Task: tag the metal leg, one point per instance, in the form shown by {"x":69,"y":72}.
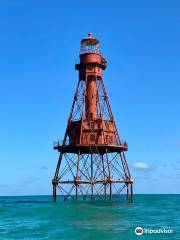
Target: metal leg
{"x":127,"y":192}
{"x":76,"y":191}
{"x":109,"y":173}
{"x":105,"y":191}
{"x":110,"y":191}
{"x":92,"y":193}
{"x":77,"y":176}
{"x":54,"y":192}
{"x":131,"y":193}
{"x":104,"y":176}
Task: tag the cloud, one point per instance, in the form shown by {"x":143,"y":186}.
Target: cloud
{"x":142,"y":166}
{"x":44,"y":167}
{"x":146,"y":177}
{"x":168,"y":164}
{"x":172,"y":165}
{"x":31,"y":180}
{"x":170,"y":176}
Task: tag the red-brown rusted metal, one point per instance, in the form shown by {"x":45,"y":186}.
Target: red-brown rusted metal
{"x":92,"y":160}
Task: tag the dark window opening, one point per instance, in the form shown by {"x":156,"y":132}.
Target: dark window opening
{"x":92,"y":137}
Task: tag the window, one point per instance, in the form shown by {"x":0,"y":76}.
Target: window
{"x":107,"y":125}
{"x":109,"y":139}
{"x":92,"y":125}
{"x":92,"y":137}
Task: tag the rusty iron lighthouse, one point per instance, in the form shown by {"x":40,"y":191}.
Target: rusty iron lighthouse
{"x":91,"y":163}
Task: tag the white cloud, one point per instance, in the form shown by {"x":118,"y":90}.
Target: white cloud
{"x":141,"y":165}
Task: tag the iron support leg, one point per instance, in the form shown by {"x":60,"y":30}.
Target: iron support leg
{"x":54,"y":193}
{"x":92,"y":193}
{"x":105,"y":191}
{"x":104,"y":176}
{"x":110,"y":186}
{"x":127,"y":192}
{"x":77,"y":175}
{"x":109,"y":173}
{"x":131,"y":193}
{"x":76,"y":191}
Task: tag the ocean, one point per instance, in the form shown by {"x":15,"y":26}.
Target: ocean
{"x":36,"y":217}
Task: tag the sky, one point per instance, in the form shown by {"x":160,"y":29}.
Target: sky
{"x":39,"y":45}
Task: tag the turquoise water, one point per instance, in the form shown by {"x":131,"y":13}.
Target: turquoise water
{"x":37,"y":217}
